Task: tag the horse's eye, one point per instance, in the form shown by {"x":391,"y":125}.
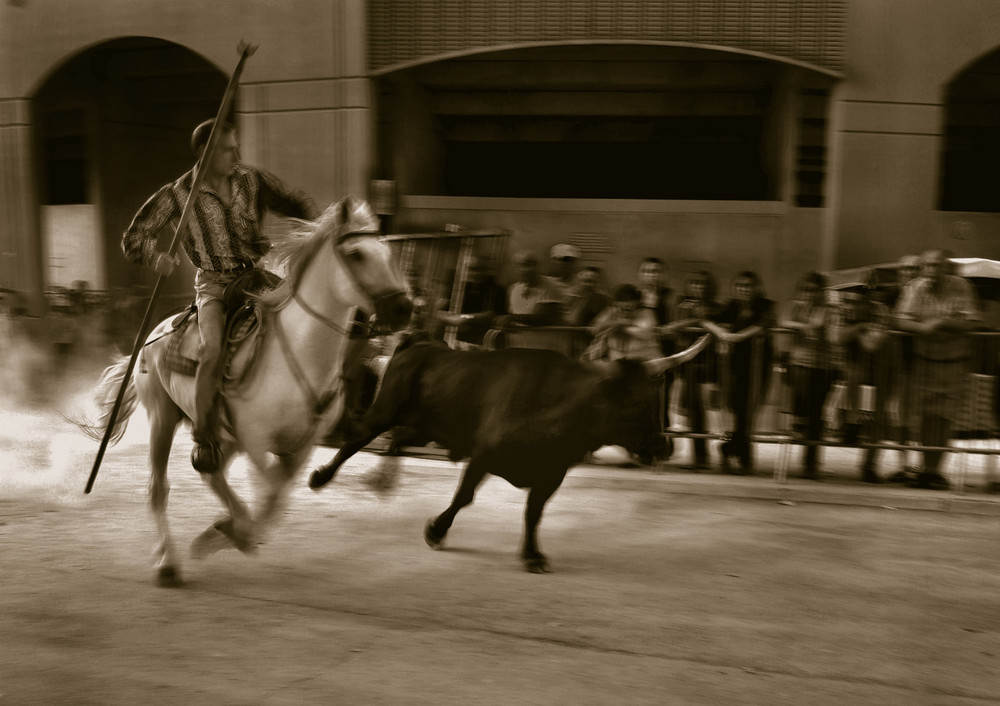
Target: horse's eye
{"x":355,"y":255}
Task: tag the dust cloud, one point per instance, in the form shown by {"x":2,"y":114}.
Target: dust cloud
{"x":43,"y":391}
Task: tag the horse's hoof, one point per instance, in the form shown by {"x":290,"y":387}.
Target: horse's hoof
{"x":238,"y":540}
{"x":206,"y":458}
{"x":537,"y":565}
{"x":168,"y":577}
{"x":431,"y":537}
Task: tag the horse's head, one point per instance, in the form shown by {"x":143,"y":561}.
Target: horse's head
{"x":370,"y":264}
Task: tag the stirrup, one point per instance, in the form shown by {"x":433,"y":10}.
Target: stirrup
{"x":206,"y":457}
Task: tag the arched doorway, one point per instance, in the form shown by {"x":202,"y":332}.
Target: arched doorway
{"x":112,"y":124}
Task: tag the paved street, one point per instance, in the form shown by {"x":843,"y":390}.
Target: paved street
{"x":667,"y":588}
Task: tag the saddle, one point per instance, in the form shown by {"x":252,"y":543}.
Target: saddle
{"x":244,"y":325}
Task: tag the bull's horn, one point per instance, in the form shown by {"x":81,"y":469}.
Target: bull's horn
{"x":659,"y":365}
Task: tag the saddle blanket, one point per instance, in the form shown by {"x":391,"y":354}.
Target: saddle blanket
{"x":184,"y":344}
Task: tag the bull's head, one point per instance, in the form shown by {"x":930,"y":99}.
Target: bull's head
{"x":633,"y":389}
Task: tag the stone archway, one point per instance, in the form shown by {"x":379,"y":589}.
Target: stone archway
{"x":111,"y":125}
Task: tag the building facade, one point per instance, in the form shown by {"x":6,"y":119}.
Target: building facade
{"x":773,"y":135}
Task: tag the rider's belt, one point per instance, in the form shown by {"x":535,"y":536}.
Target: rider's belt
{"x":237,"y":270}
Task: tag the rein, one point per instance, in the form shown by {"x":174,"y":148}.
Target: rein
{"x":322,"y":318}
{"x":320,"y":401}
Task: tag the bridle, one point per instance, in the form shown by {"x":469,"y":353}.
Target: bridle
{"x":375,"y":299}
{"x":321,"y":401}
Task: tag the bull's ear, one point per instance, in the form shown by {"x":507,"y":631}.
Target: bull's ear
{"x":659,"y":365}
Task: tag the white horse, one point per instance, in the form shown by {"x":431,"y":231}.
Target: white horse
{"x":295,"y":390}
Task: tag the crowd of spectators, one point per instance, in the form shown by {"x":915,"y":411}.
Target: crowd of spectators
{"x":857,"y":366}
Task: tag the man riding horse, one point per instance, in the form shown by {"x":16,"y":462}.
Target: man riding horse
{"x":223,"y":240}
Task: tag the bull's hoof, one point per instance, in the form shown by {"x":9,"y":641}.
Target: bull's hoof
{"x":319,"y":478}
{"x":168,"y":577}
{"x":536,"y":564}
{"x":432,"y":538}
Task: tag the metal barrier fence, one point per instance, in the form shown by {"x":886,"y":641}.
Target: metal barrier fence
{"x":868,"y":401}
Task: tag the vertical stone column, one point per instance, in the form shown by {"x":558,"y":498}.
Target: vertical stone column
{"x":20,"y":247}
{"x":316,"y":133}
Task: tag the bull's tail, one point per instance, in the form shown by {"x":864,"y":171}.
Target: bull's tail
{"x":105,"y":396}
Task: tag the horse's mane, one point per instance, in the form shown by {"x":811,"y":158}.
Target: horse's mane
{"x":293,"y":250}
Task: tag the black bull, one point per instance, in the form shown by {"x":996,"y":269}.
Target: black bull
{"x":525,"y":415}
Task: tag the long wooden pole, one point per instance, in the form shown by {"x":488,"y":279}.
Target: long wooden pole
{"x":246,"y":50}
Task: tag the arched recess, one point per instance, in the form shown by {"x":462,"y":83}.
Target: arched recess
{"x":972,"y":138}
{"x":112,"y":124}
{"x":619,"y":121}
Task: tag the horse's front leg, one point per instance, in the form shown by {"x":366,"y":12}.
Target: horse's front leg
{"x":165,"y":560}
{"x":233,"y":531}
{"x":277,"y":476}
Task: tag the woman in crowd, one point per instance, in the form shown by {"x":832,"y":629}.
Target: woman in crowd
{"x":743,"y":330}
{"x":812,"y":368}
{"x":698,"y":303}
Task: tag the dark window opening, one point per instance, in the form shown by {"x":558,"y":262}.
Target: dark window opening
{"x":66,"y":168}
{"x":65,"y":165}
{"x":613,"y":122}
{"x":810,"y":166}
{"x":669,"y":158}
{"x":972,"y":140}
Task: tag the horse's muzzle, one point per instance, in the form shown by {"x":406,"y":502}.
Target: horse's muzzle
{"x":393,"y":311}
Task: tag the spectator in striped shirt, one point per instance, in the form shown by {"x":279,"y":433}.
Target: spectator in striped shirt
{"x":223,"y":239}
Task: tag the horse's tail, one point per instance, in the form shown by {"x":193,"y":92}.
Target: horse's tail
{"x":105,"y":396}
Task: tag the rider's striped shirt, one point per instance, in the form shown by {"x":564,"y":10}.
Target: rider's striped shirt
{"x":218,"y":237}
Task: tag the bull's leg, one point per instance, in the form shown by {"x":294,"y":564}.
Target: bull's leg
{"x":377,"y":421}
{"x":437,"y":528}
{"x":534,"y":560}
{"x":386,"y":475}
{"x":163,"y":423}
{"x":324,"y":474}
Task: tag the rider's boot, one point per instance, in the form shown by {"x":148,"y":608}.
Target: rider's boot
{"x":206,"y":456}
